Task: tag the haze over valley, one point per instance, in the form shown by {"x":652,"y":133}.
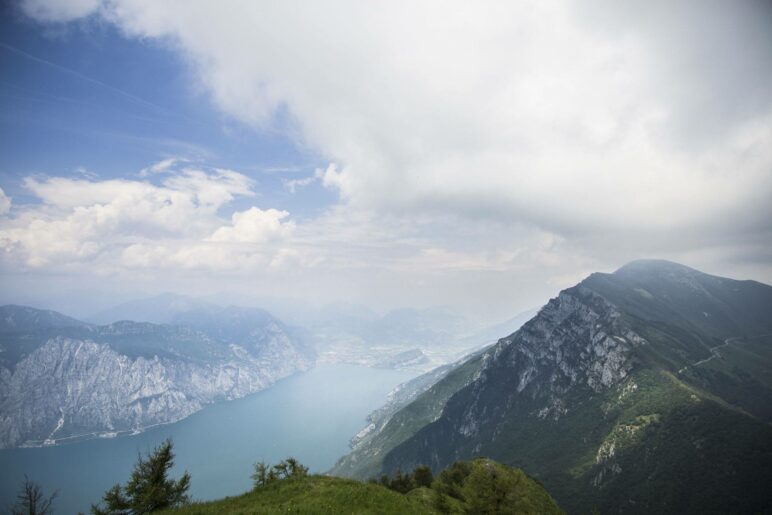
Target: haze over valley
{"x":496,"y":257}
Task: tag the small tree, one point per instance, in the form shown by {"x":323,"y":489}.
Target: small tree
{"x":32,"y":501}
{"x":148,"y":488}
{"x":492,"y":489}
{"x":260,"y":477}
{"x":422,"y":476}
{"x":295,"y":468}
{"x":452,"y":479}
{"x":401,"y":483}
{"x":285,"y":469}
{"x":281,"y":470}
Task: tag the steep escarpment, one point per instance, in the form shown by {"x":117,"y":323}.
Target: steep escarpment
{"x":78,"y":380}
{"x":639,"y":391}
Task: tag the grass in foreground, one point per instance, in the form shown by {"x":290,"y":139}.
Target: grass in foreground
{"x":480,"y":486}
{"x":314,"y":495}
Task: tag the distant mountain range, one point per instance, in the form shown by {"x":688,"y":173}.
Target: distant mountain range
{"x":332,"y":323}
{"x":648,"y":390}
{"x":160,"y":309}
{"x":62,"y":379}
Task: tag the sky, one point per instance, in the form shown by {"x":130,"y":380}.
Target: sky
{"x":475,"y":155}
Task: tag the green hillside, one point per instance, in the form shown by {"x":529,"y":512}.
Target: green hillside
{"x":365,"y":461}
{"x":313,"y":494}
{"x":479,"y":486}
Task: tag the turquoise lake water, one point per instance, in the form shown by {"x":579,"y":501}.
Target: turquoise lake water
{"x":310,"y":416}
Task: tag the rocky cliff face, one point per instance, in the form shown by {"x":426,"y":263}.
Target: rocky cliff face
{"x":127,"y":376}
{"x":577,"y":344}
{"x":577,"y":341}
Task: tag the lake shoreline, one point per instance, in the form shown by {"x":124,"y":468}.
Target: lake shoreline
{"x":311,"y":415}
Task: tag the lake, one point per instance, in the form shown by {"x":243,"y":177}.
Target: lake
{"x":310,"y":416}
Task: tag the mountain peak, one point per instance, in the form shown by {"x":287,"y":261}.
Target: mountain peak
{"x":655,"y":266}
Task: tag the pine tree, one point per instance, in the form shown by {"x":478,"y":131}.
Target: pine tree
{"x":148,"y":488}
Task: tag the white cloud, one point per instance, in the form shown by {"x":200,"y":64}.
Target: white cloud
{"x":292,"y":185}
{"x":255,"y":226}
{"x":328,"y":177}
{"x":468,"y":137}
{"x":135,"y":223}
{"x":523,"y":110}
{"x":5,"y":202}
{"x":164,"y":165}
{"x":211,"y":190}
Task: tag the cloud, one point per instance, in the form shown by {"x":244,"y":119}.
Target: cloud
{"x":5,"y":202}
{"x":292,"y":185}
{"x":87,"y":221}
{"x":328,"y":176}
{"x":488,"y":136}
{"x":255,"y":226}
{"x":211,"y":190}
{"x":161,"y":166}
{"x":532,"y":111}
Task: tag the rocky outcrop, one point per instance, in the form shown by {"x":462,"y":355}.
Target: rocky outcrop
{"x":577,"y":341}
{"x":578,"y":345}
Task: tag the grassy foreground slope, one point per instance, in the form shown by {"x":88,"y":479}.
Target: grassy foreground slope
{"x":313,"y":494}
{"x":479,"y":486}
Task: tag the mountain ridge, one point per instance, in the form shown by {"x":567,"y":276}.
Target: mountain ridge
{"x":54,"y":383}
{"x":612,"y":361}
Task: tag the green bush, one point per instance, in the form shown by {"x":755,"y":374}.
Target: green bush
{"x":285,"y":469}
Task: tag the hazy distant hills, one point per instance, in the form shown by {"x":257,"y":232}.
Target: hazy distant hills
{"x":62,"y":379}
{"x":22,"y":319}
{"x":352,"y":334}
{"x":160,"y":309}
{"x":340,"y":332}
{"x":648,"y":390}
{"x":333,"y":322}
